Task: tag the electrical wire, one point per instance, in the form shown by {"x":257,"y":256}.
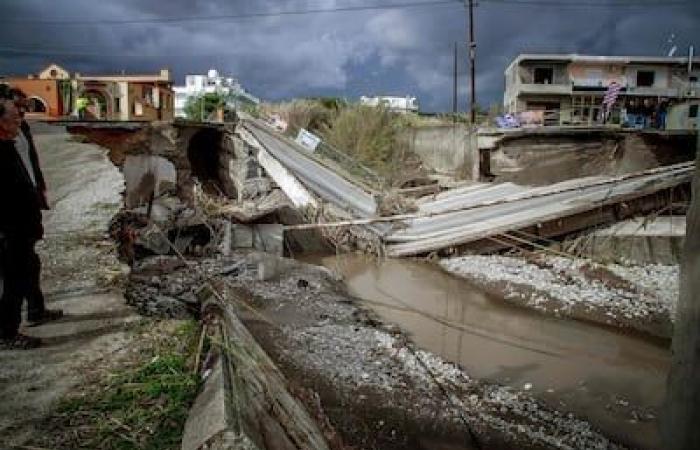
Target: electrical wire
{"x":223,"y":17}
{"x":590,"y":4}
{"x":241,"y":16}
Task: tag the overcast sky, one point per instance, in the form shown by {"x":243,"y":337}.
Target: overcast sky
{"x":350,"y":53}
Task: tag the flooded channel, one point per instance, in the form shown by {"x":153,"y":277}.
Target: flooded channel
{"x":616,"y":381}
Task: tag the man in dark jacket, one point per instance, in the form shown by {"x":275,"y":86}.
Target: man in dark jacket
{"x":36,"y":307}
{"x":20,"y":228}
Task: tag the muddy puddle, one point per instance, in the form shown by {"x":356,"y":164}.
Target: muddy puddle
{"x":616,"y":381}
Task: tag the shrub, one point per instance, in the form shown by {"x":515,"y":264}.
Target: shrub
{"x":368,"y":134}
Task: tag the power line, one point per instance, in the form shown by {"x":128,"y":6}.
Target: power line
{"x":224,"y":17}
{"x":241,"y":16}
{"x":60,"y":52}
{"x":592,"y":4}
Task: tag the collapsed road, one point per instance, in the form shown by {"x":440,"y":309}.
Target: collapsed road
{"x":193,"y":238}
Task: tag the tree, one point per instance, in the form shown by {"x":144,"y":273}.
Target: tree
{"x":203,"y":107}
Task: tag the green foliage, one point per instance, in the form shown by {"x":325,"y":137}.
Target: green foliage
{"x":250,"y":108}
{"x":144,"y":407}
{"x":203,"y":107}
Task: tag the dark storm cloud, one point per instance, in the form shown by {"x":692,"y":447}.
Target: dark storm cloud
{"x":402,"y":51}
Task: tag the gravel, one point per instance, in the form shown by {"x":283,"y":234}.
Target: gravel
{"x":374,"y":365}
{"x":362,"y":359}
{"x":321,"y":335}
{"x":624,"y":295}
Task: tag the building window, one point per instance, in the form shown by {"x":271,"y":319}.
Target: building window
{"x":117,"y":105}
{"x":53,"y":73}
{"x":148,"y":95}
{"x":645,"y":78}
{"x":693,"y":79}
{"x":544,"y":75}
{"x":693,"y":111}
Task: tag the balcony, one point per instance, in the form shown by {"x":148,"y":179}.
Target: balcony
{"x":653,"y":91}
{"x":546,"y":89}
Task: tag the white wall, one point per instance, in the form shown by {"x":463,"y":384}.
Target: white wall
{"x":661,"y":75}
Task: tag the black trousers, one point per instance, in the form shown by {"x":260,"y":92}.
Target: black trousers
{"x":21,"y":270}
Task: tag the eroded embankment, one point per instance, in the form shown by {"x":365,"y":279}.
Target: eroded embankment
{"x":377,"y":389}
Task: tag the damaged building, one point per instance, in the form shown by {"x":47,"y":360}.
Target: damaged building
{"x":569,"y":89}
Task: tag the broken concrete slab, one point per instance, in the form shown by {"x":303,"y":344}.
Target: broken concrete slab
{"x":251,"y":210}
{"x":295,"y":191}
{"x":208,"y":418}
{"x":242,"y":236}
{"x":147,"y":177}
{"x":657,"y":240}
{"x":325,"y":183}
{"x":255,"y":406}
{"x":267,"y":238}
{"x":468,"y":221}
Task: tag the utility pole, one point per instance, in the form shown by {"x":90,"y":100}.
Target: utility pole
{"x":454,"y":86}
{"x":472,"y":62}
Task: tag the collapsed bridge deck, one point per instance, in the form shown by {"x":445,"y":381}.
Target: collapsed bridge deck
{"x":481,"y":211}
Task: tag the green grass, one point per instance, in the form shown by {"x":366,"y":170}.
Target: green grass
{"x":142,"y":407}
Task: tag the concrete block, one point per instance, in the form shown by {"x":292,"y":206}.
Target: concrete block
{"x":659,"y":241}
{"x":242,"y":236}
{"x":207,"y":420}
{"x":269,"y":238}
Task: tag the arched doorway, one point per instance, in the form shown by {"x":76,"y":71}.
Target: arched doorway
{"x":97,"y":105}
{"x":37,"y":105}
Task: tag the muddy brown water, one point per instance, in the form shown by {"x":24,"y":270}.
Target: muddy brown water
{"x":614,"y":380}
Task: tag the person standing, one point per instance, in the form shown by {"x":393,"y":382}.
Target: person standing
{"x":37,"y":313}
{"x":20,"y":228}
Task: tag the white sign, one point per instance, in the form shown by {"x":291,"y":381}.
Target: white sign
{"x":308,"y":140}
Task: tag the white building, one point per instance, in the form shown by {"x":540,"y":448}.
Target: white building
{"x":211,"y":83}
{"x":395,"y":104}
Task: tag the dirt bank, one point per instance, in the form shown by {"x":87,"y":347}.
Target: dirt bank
{"x":377,"y":388}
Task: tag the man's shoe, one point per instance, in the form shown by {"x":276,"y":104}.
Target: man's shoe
{"x":19,"y":342}
{"x":48,"y":316}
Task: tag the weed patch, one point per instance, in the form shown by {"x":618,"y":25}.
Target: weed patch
{"x":141,"y":406}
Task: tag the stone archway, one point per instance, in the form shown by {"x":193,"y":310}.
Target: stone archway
{"x":37,"y":105}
